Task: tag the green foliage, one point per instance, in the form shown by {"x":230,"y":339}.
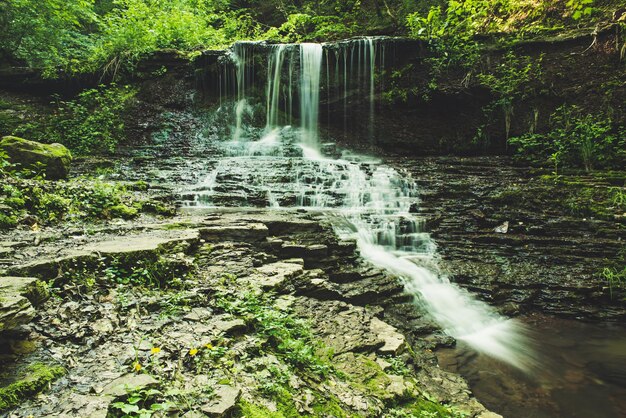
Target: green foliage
{"x":4,"y":163}
{"x":575,"y":139}
{"x":451,"y":37}
{"x":49,"y":34}
{"x":91,"y":123}
{"x":511,"y":81}
{"x":142,"y":403}
{"x":615,"y":278}
{"x":150,"y":272}
{"x":82,"y":36}
{"x":288,"y":336}
{"x":302,"y":27}
{"x":78,"y":200}
{"x":135,"y":28}
{"x":580,"y":8}
{"x":474,"y":17}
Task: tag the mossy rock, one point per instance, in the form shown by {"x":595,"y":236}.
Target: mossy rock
{"x":34,"y":380}
{"x":54,"y":159}
{"x":122,"y":211}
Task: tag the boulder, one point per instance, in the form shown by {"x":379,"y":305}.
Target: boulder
{"x":17,"y":297}
{"x":55,"y":159}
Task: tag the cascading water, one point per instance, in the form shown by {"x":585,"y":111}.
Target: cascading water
{"x":310,"y":72}
{"x":241,"y":61}
{"x":274,"y":72}
{"x":367,"y":201}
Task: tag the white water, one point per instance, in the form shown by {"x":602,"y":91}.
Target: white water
{"x":240,"y":52}
{"x":310,"y":72}
{"x":273,"y":90}
{"x":373,"y":201}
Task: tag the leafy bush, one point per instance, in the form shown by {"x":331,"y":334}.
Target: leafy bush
{"x":48,"y":202}
{"x":575,"y":139}
{"x":47,"y":34}
{"x":473,"y":17}
{"x":301,"y":27}
{"x":135,"y":28}
{"x":91,"y":123}
{"x":290,"y":337}
{"x":510,"y":81}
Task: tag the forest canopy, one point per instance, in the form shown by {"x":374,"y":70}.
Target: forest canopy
{"x":64,"y":38}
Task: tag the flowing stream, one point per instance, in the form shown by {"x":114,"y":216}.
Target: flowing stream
{"x":281,"y":165}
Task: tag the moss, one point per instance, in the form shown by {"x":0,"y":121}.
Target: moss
{"x":55,"y":159}
{"x":7,"y":221}
{"x":364,"y":373}
{"x":158,"y":208}
{"x":250,"y":410}
{"x":330,"y":408}
{"x":177,"y":225}
{"x":123,"y":211}
{"x":38,"y":376}
{"x":139,"y":186}
{"x":422,"y":407}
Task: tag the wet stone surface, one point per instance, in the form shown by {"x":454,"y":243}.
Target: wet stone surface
{"x":546,"y":260}
{"x":202,"y":334}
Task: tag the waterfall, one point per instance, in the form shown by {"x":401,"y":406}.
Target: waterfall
{"x":274,"y":72}
{"x":372,"y":72}
{"x":310,"y":72}
{"x":365,"y":200}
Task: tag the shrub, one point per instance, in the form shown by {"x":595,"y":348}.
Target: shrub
{"x":575,"y":139}
{"x":91,"y":123}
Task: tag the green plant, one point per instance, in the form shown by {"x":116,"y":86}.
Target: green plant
{"x":4,"y":162}
{"x":580,"y":8}
{"x":615,"y":278}
{"x":288,"y":336}
{"x":575,"y":139}
{"x":141,"y":403}
{"x":93,"y":122}
{"x":510,"y":81}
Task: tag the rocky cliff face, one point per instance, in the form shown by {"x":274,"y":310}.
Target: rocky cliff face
{"x":507,"y":236}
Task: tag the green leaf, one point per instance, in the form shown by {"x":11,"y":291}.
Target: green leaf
{"x":127,"y":409}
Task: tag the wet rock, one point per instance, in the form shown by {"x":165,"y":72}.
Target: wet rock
{"x":394,"y":342}
{"x":18,"y":295}
{"x":226,"y":399}
{"x":55,"y":159}
{"x":88,"y":406}
{"x":343,"y":327}
{"x":128,"y":383}
{"x":250,"y":232}
{"x":276,"y":274}
{"x":139,"y":244}
{"x":225,"y":325}
{"x":502,"y":229}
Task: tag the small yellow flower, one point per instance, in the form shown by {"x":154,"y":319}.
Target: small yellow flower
{"x":155,"y":350}
{"x":209,"y":346}
{"x":193,"y":352}
{"x":137,"y":366}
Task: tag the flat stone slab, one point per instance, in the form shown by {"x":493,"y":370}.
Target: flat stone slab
{"x":275,"y":274}
{"x":128,"y":383}
{"x":394,"y":341}
{"x":126,"y":245}
{"x":47,"y":267}
{"x":249,"y":232}
{"x":226,"y":399}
